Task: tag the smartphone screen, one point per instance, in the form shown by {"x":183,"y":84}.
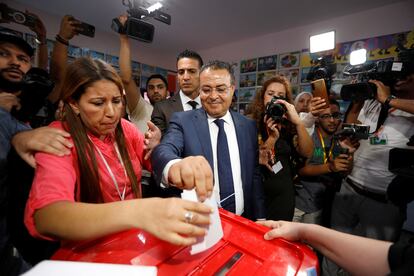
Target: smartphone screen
{"x":319,"y":90}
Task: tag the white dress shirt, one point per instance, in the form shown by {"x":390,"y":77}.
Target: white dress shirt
{"x":234,"y":159}
{"x":185,"y":99}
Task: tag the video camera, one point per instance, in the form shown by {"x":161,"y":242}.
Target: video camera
{"x":135,"y":27}
{"x":322,"y":68}
{"x":19,"y":17}
{"x":386,"y":71}
{"x":275,"y":110}
{"x":356,"y":131}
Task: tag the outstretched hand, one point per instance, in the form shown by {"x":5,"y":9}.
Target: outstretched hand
{"x":291,"y":231}
{"x":152,"y":139}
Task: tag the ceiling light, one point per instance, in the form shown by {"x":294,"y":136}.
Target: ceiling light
{"x":322,"y":42}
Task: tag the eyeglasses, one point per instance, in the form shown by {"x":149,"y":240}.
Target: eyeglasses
{"x":335,"y":116}
{"x":222,"y":90}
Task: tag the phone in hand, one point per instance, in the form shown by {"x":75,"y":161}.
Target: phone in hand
{"x":16,"y":16}
{"x":85,"y":28}
{"x":319,"y":90}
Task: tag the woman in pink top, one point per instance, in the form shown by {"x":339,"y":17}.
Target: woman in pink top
{"x":95,"y":190}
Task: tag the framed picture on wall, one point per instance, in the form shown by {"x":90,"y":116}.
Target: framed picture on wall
{"x":289,"y":60}
{"x":303,"y":74}
{"x":248,"y":65}
{"x":74,"y":51}
{"x":96,"y":54}
{"x":246,"y":94}
{"x":267,"y":63}
{"x":113,"y":60}
{"x":291,"y":74}
{"x":264,"y":76}
{"x":248,"y":80}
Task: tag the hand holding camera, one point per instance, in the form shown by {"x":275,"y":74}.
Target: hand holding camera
{"x":342,"y":163}
{"x":69,"y":27}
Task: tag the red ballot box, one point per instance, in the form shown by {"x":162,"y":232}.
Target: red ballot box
{"x":241,"y":251}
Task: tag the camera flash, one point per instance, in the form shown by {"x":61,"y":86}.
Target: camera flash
{"x":358,"y":57}
{"x":322,"y":42}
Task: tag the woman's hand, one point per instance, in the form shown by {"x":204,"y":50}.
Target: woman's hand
{"x":175,"y":220}
{"x":291,"y":113}
{"x":273,"y":128}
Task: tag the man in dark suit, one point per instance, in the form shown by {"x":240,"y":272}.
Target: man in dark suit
{"x":188,"y":73}
{"x":213,"y":143}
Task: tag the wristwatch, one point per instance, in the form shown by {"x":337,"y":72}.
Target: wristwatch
{"x":388,"y":100}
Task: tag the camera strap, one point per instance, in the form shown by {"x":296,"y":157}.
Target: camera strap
{"x":382,"y":116}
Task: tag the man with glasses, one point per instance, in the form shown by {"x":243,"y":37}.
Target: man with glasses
{"x":323,"y":171}
{"x":213,"y":143}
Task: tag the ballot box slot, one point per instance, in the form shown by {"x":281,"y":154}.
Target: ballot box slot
{"x":229,"y":264}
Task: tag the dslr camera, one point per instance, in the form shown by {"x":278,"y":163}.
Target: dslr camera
{"x":357,"y":131}
{"x":275,"y":110}
{"x":386,"y":71}
{"x":16,"y":16}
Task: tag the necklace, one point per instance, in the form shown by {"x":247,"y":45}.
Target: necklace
{"x":111,"y":174}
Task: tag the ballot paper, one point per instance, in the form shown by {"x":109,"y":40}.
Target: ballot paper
{"x":214,"y":230}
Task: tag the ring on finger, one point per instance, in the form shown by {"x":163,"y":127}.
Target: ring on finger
{"x":188,"y":216}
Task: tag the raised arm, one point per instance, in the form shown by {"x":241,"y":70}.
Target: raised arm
{"x":133,"y":94}
{"x":357,"y":255}
{"x":40,"y":30}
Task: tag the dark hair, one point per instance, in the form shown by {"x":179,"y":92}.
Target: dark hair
{"x":334,"y":102}
{"x":157,"y":76}
{"x":190,"y":54}
{"x":220,"y":65}
{"x":258,"y":102}
{"x":80,"y":75}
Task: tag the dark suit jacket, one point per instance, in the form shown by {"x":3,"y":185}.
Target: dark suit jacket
{"x":163,"y":111}
{"x":189,"y":135}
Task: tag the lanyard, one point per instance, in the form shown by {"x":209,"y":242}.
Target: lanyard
{"x":121,"y":196}
{"x":325,"y":158}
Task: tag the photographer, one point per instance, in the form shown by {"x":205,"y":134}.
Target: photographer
{"x":282,"y":139}
{"x":363,"y":193}
{"x":321,"y":176}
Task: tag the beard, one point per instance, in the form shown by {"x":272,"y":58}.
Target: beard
{"x":8,"y":85}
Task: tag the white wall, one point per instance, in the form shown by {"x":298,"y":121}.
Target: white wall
{"x":103,"y":41}
{"x":380,"y":21}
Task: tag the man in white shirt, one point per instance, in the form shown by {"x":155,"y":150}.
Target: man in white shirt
{"x":188,"y":73}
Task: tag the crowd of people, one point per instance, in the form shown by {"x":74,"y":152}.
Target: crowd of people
{"x":101,"y":159}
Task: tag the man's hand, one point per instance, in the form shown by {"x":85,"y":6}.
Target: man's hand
{"x":342,"y":163}
{"x":317,"y":104}
{"x":192,"y":172}
{"x":69,"y":27}
{"x":8,"y":101}
{"x":383,"y":91}
{"x":152,"y":139}
{"x":45,"y":139}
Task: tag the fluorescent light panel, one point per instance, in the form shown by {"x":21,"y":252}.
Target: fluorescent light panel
{"x":154,"y":7}
{"x":358,"y":57}
{"x":322,"y":42}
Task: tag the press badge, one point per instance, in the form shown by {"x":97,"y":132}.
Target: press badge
{"x":379,"y":139}
{"x":277,"y":167}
